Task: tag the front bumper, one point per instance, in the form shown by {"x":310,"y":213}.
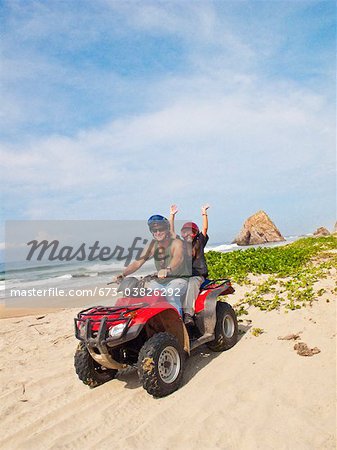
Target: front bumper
{"x":98,"y":341}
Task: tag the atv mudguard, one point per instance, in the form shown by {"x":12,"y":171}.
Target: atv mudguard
{"x":205,"y":307}
{"x":160,"y":316}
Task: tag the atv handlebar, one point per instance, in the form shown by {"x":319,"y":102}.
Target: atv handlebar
{"x":149,"y":277}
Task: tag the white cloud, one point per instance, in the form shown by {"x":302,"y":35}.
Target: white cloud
{"x":270,"y":130}
{"x":218,"y":129}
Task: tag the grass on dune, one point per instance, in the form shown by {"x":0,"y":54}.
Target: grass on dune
{"x":282,"y":261}
{"x":293,"y":271}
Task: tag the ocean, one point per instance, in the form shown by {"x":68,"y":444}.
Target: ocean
{"x":77,"y":275}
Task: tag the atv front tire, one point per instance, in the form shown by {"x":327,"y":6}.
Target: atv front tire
{"x":160,"y":364}
{"x":226,"y":328}
{"x":88,"y":370}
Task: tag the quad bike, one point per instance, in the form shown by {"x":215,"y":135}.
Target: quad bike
{"x":147,"y":332}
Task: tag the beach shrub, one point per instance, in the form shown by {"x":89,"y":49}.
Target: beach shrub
{"x":295,"y":268}
{"x":282,"y":261}
{"x":240,"y":311}
{"x":257,"y":331}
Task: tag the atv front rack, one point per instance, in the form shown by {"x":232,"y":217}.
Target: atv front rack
{"x":97,"y":341}
{"x":95,"y":337}
{"x":104,"y":310}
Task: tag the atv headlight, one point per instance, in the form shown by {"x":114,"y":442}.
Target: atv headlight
{"x":81,"y":329}
{"x":117,"y":330}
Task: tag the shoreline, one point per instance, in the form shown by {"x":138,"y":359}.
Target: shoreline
{"x":10,"y":313}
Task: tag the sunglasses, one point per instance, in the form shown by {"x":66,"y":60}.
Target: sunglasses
{"x":158,"y":230}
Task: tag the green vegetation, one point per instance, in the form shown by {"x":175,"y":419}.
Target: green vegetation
{"x":294,"y":269}
{"x":283,"y":261}
{"x":257,"y":331}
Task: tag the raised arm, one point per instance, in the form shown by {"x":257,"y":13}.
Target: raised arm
{"x":204,"y":219}
{"x":173,"y":212}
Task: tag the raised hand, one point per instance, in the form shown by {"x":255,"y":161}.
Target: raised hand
{"x":173,"y":210}
{"x":204,"y":209}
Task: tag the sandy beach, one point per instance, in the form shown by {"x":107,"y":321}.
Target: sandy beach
{"x":168,"y":140}
{"x":260,"y":394}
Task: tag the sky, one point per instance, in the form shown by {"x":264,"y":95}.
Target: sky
{"x":117,"y":109}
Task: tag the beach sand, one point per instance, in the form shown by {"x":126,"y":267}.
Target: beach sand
{"x":259,"y":395}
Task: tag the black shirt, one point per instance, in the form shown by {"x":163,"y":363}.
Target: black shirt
{"x":199,"y":266}
{"x":198,"y":263}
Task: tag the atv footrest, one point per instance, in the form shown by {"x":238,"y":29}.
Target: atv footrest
{"x":202,"y":340}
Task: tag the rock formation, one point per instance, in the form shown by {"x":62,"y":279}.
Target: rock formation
{"x":335,"y":229}
{"x":258,"y":229}
{"x":321,"y":231}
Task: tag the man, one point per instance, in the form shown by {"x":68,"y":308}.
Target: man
{"x":169,"y":261}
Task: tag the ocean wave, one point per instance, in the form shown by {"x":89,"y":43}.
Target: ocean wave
{"x":104,"y":268}
{"x":222,"y":248}
{"x":66,"y":276}
{"x":10,"y":267}
{"x":85,"y":274}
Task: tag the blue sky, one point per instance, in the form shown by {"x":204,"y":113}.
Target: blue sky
{"x":115,"y":110}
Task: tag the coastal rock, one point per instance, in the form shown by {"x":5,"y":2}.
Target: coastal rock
{"x":321,"y":231}
{"x":258,"y":229}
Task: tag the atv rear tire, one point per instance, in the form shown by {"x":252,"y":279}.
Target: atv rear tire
{"x":226,"y":328}
{"x":160,"y":364}
{"x":88,"y":370}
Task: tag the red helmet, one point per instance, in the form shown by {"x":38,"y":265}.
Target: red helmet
{"x":192,"y":226}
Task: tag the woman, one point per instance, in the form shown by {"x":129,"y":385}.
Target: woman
{"x":194,"y":244}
